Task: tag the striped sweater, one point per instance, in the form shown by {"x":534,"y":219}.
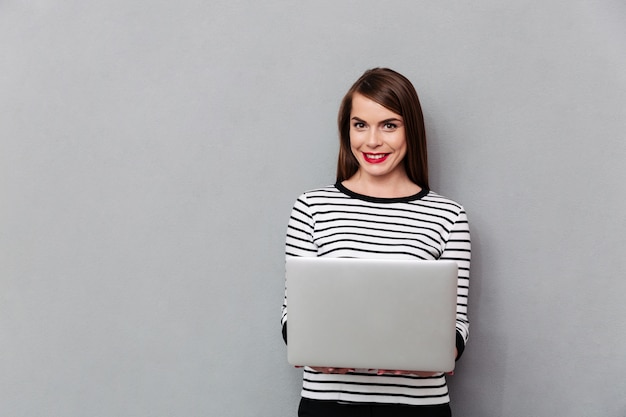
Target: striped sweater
{"x":336,"y":222}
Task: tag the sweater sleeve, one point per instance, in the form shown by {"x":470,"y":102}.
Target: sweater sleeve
{"x":458,"y":248}
{"x":298,"y":242}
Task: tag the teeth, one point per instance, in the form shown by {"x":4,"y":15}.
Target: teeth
{"x":376,"y":156}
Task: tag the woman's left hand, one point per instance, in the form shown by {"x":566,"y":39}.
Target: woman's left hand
{"x":400,"y":372}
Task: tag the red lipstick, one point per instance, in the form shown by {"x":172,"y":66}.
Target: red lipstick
{"x":375,"y":158}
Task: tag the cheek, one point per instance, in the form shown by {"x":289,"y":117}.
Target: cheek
{"x":400,"y":143}
{"x":353,"y":147}
{"x":402,"y":149}
{"x":354,"y":140}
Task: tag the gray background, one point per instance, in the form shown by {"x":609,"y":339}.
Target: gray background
{"x":151,"y":151}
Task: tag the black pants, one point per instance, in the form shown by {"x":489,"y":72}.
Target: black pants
{"x":315,"y":408}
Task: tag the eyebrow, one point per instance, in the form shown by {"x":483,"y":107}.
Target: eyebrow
{"x":393,"y":119}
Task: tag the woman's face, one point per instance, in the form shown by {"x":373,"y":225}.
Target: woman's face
{"x":377,"y":139}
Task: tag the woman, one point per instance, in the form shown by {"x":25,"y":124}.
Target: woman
{"x":380,"y":207}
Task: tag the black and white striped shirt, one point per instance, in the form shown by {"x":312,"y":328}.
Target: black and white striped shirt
{"x":336,"y":222}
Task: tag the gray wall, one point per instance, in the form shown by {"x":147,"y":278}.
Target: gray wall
{"x":150,"y":153}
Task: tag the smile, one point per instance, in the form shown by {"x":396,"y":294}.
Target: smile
{"x":375,"y":158}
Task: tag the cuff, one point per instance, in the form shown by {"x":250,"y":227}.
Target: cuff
{"x":460,"y":345}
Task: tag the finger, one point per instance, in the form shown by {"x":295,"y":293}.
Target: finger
{"x":390,"y":372}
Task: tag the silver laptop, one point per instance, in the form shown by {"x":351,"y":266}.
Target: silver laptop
{"x":372,"y":314}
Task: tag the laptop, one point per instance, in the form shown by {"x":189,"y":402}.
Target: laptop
{"x":371,"y":313}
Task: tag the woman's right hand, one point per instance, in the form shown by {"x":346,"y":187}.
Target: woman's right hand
{"x":328,"y":370}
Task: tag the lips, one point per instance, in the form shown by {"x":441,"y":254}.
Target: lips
{"x":375,"y":158}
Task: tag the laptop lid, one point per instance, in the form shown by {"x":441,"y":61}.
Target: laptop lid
{"x":373,"y":314}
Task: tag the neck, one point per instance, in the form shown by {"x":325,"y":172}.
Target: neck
{"x":397,"y":187}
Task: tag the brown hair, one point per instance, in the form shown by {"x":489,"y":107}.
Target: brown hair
{"x":395,"y":92}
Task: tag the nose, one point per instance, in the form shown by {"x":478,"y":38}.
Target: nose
{"x":373,"y":138}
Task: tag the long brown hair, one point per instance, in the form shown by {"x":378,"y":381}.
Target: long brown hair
{"x":395,"y":92}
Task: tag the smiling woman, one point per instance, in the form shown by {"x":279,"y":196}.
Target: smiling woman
{"x":378,"y":142}
{"x":389,"y":96}
{"x":380,"y":207}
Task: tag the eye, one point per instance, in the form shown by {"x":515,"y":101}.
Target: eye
{"x":358,"y":125}
{"x":390,"y":126}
